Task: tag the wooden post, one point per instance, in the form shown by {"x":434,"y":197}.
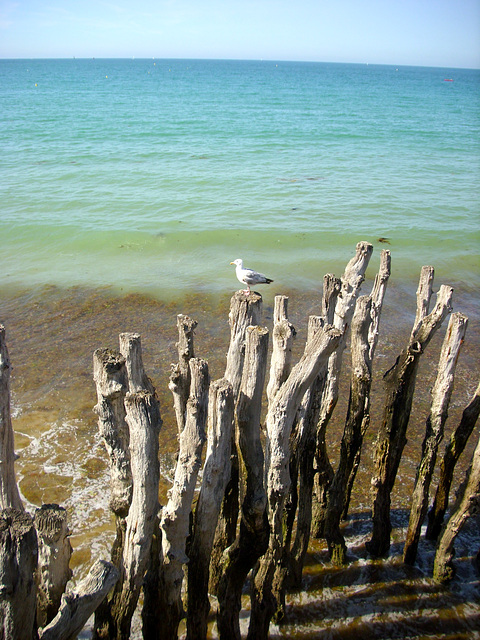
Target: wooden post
{"x":468,"y":504}
{"x":9,"y":495}
{"x":441,"y":393}
{"x":283,"y":336}
{"x":180,"y":376}
{"x":364,"y":337}
{"x":304,"y":444}
{"x":216,"y":473}
{"x":175,"y":516}
{"x":77,"y":606}
{"x":252,"y":540}
{"x":453,"y":450}
{"x":18,"y":562}
{"x":143,"y":419}
{"x":351,"y":283}
{"x":131,"y":350}
{"x":245,"y":311}
{"x":391,"y":439}
{"x":377,"y":295}
{"x":110,"y":375}
{"x":280,"y":417}
{"x":54,"y":553}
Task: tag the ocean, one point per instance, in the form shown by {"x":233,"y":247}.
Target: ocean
{"x":153,"y":175}
{"x":126,"y":189}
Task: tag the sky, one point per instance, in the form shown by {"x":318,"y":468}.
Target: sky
{"x":440,"y":33}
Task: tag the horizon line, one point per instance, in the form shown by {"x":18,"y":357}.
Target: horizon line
{"x":381,"y":64}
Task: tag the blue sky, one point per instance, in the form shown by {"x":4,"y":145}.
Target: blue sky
{"x":401,"y":32}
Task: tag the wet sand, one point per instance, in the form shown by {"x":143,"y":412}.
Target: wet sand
{"x":51,"y":336}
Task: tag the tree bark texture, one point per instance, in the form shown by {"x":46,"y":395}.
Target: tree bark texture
{"x":279,"y":423}
{"x":441,"y":393}
{"x":216,"y":473}
{"x":18,"y":562}
{"x":391,"y":439}
{"x":54,"y":553}
{"x":175,"y":516}
{"x":252,"y":539}
{"x":453,"y":450}
{"x":9,"y":494}
{"x":180,"y":376}
{"x":77,"y":606}
{"x":467,"y":505}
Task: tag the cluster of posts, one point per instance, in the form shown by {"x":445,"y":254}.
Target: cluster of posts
{"x":265,"y":488}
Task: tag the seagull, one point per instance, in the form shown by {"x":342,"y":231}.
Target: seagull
{"x":249,"y":276}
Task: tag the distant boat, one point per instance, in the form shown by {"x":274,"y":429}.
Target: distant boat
{"x":448,"y":79}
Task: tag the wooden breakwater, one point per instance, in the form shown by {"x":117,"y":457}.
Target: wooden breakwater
{"x":265,"y":490}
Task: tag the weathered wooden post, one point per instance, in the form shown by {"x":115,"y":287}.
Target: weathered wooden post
{"x":441,"y":393}
{"x":252,"y":539}
{"x":351,"y":283}
{"x":9,"y":495}
{"x":216,"y":473}
{"x":129,"y":422}
{"x":54,"y":553}
{"x":245,"y":311}
{"x":18,"y":562}
{"x":304,"y":440}
{"x":77,"y":606}
{"x":467,"y":505}
{"x":280,"y":417}
{"x":175,"y":516}
{"x":282,"y":340}
{"x":110,"y":375}
{"x":453,"y":450}
{"x":364,"y":337}
{"x":180,"y":376}
{"x":391,"y":439}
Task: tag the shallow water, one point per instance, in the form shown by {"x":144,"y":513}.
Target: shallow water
{"x":51,"y":335}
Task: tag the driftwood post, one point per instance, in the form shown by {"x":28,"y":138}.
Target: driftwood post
{"x":391,"y":439}
{"x":143,"y":418}
{"x":252,"y":540}
{"x":304,"y":441}
{"x":18,"y":561}
{"x":364,"y":337}
{"x":111,"y":379}
{"x":441,"y":393}
{"x":216,"y":473}
{"x":180,"y":376}
{"x":351,"y":283}
{"x":54,"y":553}
{"x":282,"y":340}
{"x":453,"y":450}
{"x":77,"y":606}
{"x":467,"y":505}
{"x":175,"y":516}
{"x":280,"y":417}
{"x":245,"y":311}
{"x":9,"y":495}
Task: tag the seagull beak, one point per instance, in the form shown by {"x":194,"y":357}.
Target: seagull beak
{"x":232,"y":263}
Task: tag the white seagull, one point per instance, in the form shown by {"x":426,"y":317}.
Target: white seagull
{"x":249,"y":276}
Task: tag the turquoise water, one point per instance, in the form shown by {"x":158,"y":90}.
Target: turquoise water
{"x":153,"y":175}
